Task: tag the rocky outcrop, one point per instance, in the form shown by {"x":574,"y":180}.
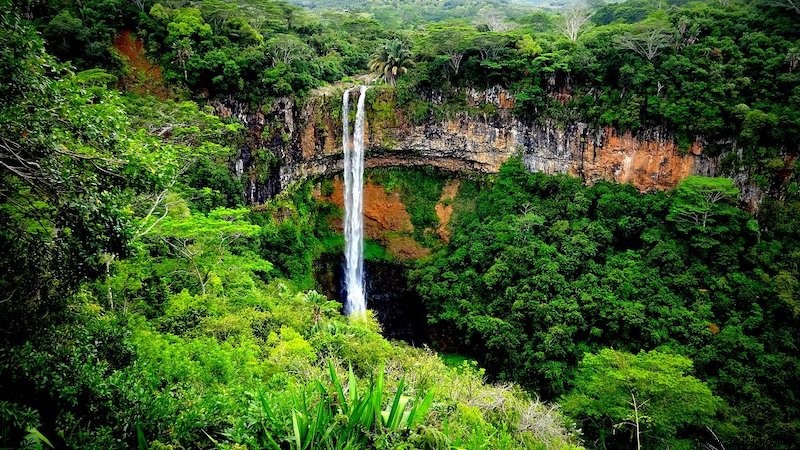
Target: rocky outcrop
{"x":305,"y":141}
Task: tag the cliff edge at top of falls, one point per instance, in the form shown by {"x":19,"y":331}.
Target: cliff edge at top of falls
{"x":289,"y":142}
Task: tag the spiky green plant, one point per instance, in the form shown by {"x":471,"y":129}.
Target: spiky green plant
{"x":345,"y":419}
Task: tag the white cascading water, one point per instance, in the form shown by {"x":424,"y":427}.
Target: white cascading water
{"x":356,"y":302}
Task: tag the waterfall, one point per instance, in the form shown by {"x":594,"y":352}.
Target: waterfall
{"x":356,"y":302}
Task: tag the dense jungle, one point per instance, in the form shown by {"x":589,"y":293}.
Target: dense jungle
{"x":581,"y":224}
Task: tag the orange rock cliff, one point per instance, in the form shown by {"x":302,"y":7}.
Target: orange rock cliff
{"x":306,"y":142}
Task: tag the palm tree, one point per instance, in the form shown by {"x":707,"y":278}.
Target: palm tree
{"x":392,"y":59}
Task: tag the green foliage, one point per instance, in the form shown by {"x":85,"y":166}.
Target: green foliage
{"x":651,"y":393}
{"x":541,"y":269}
{"x":78,"y":178}
{"x":414,"y":12}
{"x":704,"y":207}
{"x":147,"y":308}
{"x":528,"y":47}
{"x":18,"y":427}
{"x":178,"y":361}
{"x":392,"y":59}
{"x":292,"y":227}
{"x":347,"y":419}
{"x":195,"y":244}
{"x":454,"y":360}
{"x":708,"y":74}
{"x":250,"y":49}
{"x":702,"y":73}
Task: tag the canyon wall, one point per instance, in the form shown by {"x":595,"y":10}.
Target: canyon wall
{"x":289,"y":142}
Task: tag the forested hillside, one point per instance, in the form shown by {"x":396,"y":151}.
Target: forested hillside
{"x":146,"y":304}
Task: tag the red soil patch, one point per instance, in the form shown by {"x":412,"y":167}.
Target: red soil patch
{"x":142,"y":76}
{"x":444,"y":209}
{"x":405,"y":247}
{"x":386,"y":219}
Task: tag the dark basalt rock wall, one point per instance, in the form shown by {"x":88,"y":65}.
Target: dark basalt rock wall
{"x":398,"y":308}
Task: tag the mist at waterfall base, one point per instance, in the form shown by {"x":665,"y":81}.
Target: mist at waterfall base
{"x":398,"y":308}
{"x":356,"y":302}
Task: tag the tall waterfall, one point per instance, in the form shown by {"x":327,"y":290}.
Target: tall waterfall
{"x":356,"y":302}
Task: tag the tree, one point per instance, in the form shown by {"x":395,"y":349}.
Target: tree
{"x":392,"y":59}
{"x":63,"y":31}
{"x":183,"y":51}
{"x":494,"y":20}
{"x":527,"y":46}
{"x":574,"y":18}
{"x":62,"y":143}
{"x":792,"y":5}
{"x":686,"y":34}
{"x":55,"y":224}
{"x":204,"y":245}
{"x":290,"y":14}
{"x":651,"y":393}
{"x":141,"y":4}
{"x":186,"y":29}
{"x":218,"y":12}
{"x":647,"y":42}
{"x":701,"y":201}
{"x":285,"y":48}
{"x":449,"y":41}
{"x":490,"y":45}
{"x":182,"y":23}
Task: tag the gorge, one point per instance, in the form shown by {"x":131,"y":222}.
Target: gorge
{"x":399,"y":224}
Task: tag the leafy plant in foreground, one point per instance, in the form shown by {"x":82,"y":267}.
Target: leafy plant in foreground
{"x":346,"y":418}
{"x":21,"y":422}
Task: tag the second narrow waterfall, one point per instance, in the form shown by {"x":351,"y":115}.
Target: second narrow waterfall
{"x":356,"y":302}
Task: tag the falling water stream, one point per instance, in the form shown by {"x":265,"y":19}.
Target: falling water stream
{"x":356,"y":302}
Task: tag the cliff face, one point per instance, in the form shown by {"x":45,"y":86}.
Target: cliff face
{"x":306,"y":141}
{"x":386,"y":219}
